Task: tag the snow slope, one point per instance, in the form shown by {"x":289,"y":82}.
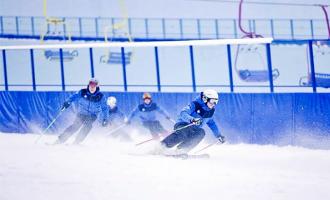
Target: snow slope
{"x":106,"y":169}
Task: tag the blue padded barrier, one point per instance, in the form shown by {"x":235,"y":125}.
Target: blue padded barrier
{"x":9,"y":115}
{"x":278,"y":118}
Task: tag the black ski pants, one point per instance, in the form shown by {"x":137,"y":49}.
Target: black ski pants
{"x":154,"y":127}
{"x":82,"y":121}
{"x":186,"y":138}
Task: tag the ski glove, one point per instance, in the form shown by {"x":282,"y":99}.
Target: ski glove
{"x":221,"y":139}
{"x":65,"y":105}
{"x":196,"y":121}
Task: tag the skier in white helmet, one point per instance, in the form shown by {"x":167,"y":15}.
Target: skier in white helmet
{"x":197,"y":113}
{"x":116,"y":119}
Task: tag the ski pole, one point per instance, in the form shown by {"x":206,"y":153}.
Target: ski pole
{"x":51,"y":123}
{"x":208,"y":146}
{"x":116,"y":129}
{"x":173,"y":121}
{"x":145,"y":141}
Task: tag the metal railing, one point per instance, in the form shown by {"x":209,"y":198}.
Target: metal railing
{"x":157,"y":28}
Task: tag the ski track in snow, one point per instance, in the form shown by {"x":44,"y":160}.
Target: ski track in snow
{"x":106,"y":169}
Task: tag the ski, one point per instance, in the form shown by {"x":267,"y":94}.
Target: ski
{"x":182,"y":156}
{"x":185,"y":156}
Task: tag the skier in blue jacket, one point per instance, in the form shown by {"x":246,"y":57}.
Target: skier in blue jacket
{"x":147,"y":114}
{"x":90,"y":103}
{"x":190,"y":122}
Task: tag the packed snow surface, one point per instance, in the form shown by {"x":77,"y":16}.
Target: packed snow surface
{"x":104,"y":169}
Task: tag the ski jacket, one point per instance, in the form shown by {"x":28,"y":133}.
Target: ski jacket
{"x":198,"y":109}
{"x":147,"y":112}
{"x":90,"y":104}
{"x":115,"y":115}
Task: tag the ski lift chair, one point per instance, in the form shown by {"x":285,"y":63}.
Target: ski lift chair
{"x":321,"y":80}
{"x":55,"y":22}
{"x":52,"y":55}
{"x":116,"y":58}
{"x":253,"y":75}
{"x":257,"y":75}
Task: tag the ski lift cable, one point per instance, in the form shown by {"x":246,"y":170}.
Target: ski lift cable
{"x":54,"y":55}
{"x":249,"y":75}
{"x":246,"y":34}
{"x":240,"y":19}
{"x":116,"y":27}
{"x":326,"y":18}
{"x":308,"y":77}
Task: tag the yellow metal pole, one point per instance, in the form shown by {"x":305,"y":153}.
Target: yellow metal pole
{"x":45,"y":8}
{"x":123,"y":9}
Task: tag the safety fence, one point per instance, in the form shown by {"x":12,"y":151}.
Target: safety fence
{"x":280,"y":119}
{"x":83,"y":28}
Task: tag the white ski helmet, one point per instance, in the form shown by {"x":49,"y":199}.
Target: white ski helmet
{"x":111,"y":101}
{"x":209,"y":94}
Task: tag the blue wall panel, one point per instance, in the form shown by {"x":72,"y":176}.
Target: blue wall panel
{"x":54,"y":103}
{"x":9,"y":115}
{"x":32,"y":109}
{"x":281,"y":119}
{"x":234,"y":114}
{"x":272,"y":118}
{"x":312,"y":114}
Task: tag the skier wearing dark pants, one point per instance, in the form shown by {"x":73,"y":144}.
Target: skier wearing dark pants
{"x":187,"y":137}
{"x":190,"y":122}
{"x":116,"y":120}
{"x":147,"y":114}
{"x":85,"y":121}
{"x":116,"y":117}
{"x":90,"y":102}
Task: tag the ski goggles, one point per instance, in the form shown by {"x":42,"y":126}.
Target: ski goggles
{"x":213,"y":101}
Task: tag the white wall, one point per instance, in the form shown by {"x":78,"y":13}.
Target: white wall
{"x":210,"y":62}
{"x":159,"y":8}
{"x":174,"y":63}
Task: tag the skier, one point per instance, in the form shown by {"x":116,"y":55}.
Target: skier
{"x":190,"y":123}
{"x":90,"y":102}
{"x":116,"y":119}
{"x":147,"y":114}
